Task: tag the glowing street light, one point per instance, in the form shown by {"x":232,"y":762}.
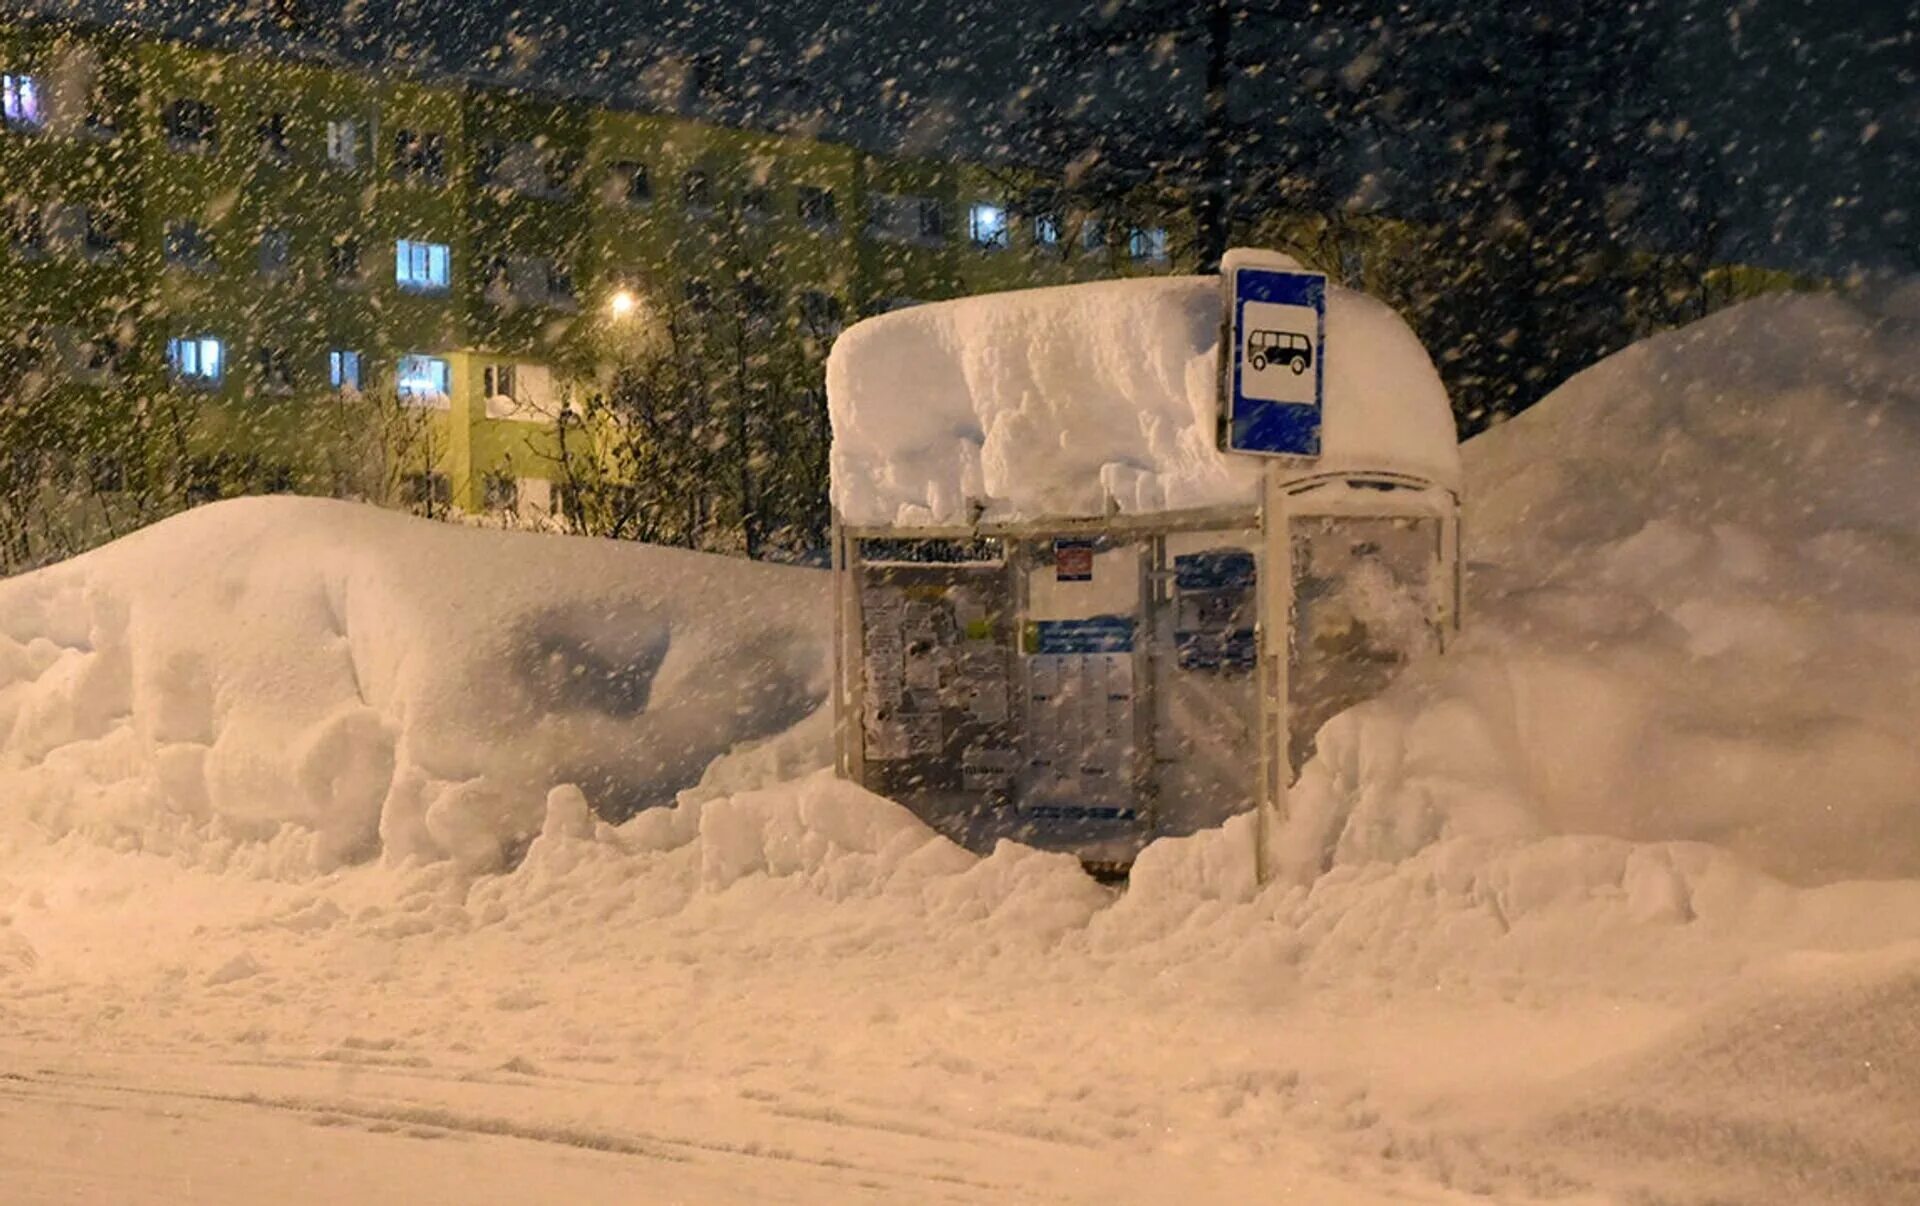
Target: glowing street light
{"x":623,"y":303}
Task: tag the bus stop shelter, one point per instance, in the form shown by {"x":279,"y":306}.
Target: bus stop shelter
{"x":1065,"y":615}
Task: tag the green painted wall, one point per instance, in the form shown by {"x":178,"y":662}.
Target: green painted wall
{"x":791,"y":213}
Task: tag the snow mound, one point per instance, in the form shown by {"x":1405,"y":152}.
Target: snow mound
{"x":1695,"y":615}
{"x":1083,"y":398}
{"x":354,"y":680}
{"x":817,"y":838}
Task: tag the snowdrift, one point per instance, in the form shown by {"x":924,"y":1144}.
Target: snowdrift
{"x":1694,"y":614}
{"x":1582,"y":906}
{"x":381,"y":682}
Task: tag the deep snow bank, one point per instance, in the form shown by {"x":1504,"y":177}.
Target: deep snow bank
{"x":375,"y":679}
{"x":1695,"y":614}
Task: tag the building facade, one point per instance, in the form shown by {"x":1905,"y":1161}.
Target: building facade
{"x":252,"y":240}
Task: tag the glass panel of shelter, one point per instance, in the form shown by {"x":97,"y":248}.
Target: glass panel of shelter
{"x":937,"y":633}
{"x":1093,"y":692}
{"x":1369,"y":596}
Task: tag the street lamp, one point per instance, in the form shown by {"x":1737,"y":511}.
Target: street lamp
{"x":623,"y":303}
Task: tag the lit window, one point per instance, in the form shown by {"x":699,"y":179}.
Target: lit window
{"x":1046,"y":230}
{"x":343,"y":370}
{"x":1148,"y":243}
{"x":987,"y":225}
{"x":426,"y":266}
{"x":424,"y":379}
{"x":197,"y":359}
{"x":22,"y":102}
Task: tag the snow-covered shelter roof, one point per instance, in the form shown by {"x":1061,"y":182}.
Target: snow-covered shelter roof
{"x":1080,"y":399}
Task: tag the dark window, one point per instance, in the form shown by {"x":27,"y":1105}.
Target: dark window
{"x":496,"y":381}
{"x":699,"y":295}
{"x":102,"y":236}
{"x":276,"y":370}
{"x":755,"y":298}
{"x":192,"y":126}
{"x":419,"y":155}
{"x":187,"y":246}
{"x":821,"y":314}
{"x":696,"y":188}
{"x":933,"y":219}
{"x":276,"y":252}
{"x":558,"y":170}
{"x":756,"y":201}
{"x":99,"y":119}
{"x":816,"y":207}
{"x":1353,"y":266}
{"x":630,"y":184}
{"x":27,"y":228}
{"x":426,"y":490}
{"x":274,"y":143}
{"x":343,"y":259}
{"x":502,"y":492}
{"x":487,"y":160}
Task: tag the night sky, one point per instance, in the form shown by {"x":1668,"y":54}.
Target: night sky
{"x":1813,"y":106}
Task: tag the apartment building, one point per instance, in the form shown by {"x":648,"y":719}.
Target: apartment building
{"x":256,"y":236}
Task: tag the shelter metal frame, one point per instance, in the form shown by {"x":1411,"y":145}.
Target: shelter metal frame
{"x":1288,"y":492}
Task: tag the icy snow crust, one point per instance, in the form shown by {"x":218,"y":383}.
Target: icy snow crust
{"x":380,"y":682}
{"x":1618,"y":903}
{"x":1055,"y":402}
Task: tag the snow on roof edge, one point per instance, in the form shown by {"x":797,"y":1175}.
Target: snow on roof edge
{"x":1073,"y":400}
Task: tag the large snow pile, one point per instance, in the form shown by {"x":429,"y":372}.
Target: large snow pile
{"x":1069,"y":400}
{"x":376,"y":681}
{"x":1494,"y":975}
{"x":1695,"y":613}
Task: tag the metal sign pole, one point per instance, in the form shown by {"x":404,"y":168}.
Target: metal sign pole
{"x":1273,"y":360}
{"x":1276,"y":632}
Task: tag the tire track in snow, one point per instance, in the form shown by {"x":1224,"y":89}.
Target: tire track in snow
{"x":70,"y":1090}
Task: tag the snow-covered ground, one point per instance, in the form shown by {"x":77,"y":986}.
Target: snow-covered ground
{"x":1619,"y":902}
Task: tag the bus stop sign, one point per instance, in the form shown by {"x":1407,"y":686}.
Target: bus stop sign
{"x":1274,"y":376}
